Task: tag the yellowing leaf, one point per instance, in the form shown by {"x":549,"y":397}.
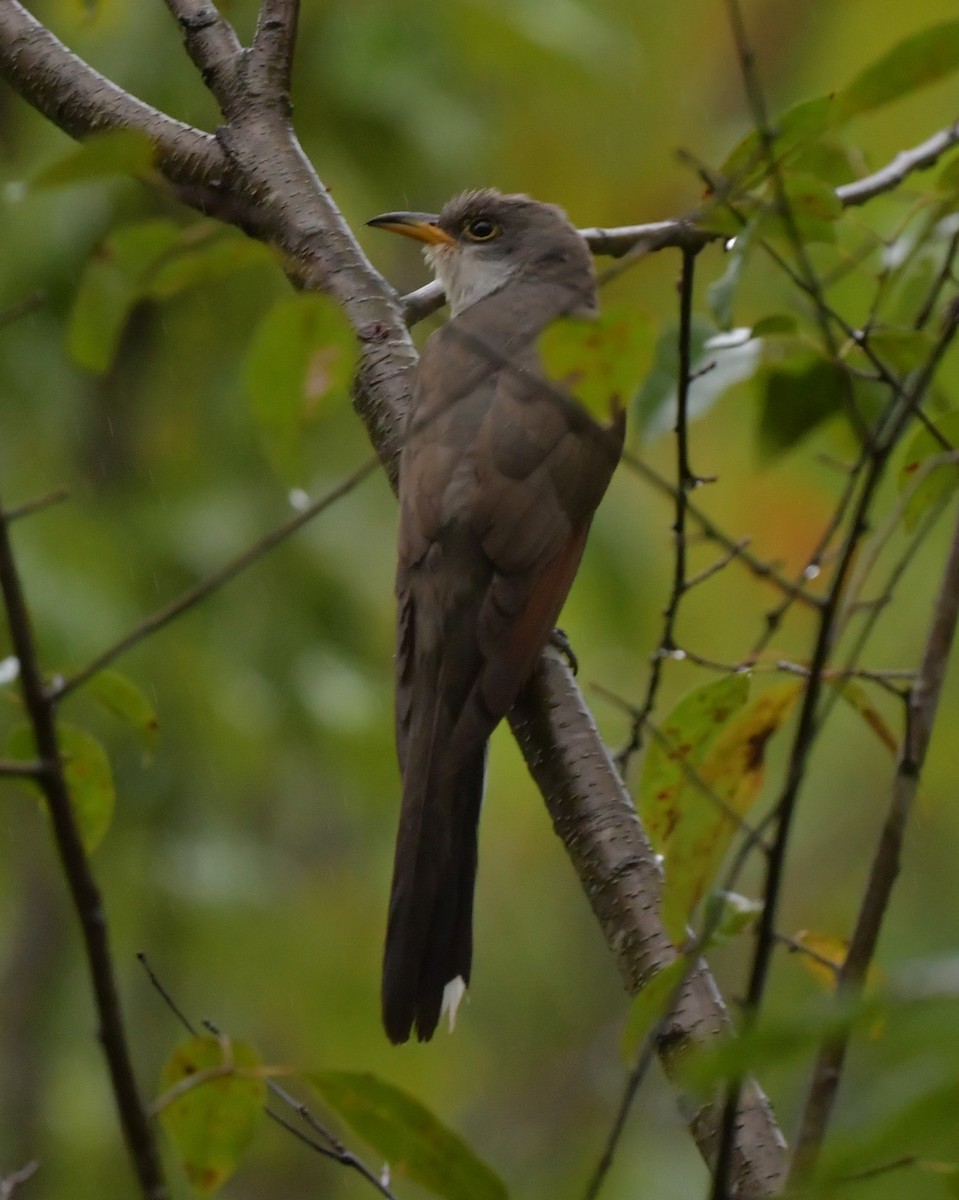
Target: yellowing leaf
{"x":114,"y":152}
{"x":211,"y":1103}
{"x":684,"y":739}
{"x":408,"y":1136}
{"x":709,"y":807}
{"x":857,"y":698}
{"x":599,"y":361}
{"x":825,"y":955}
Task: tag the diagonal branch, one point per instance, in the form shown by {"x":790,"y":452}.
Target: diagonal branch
{"x":81,"y":101}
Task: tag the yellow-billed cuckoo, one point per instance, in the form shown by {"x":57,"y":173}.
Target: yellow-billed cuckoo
{"x":500,"y":475}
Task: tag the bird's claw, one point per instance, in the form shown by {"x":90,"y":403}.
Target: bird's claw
{"x":561,"y":642}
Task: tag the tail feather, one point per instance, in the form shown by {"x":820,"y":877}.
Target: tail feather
{"x":429,"y":937}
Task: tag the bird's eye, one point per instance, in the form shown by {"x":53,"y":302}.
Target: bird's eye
{"x":481,"y":229}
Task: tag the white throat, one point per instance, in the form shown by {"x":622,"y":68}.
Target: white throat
{"x":465,"y":275}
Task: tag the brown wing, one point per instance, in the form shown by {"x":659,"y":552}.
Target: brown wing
{"x":498,"y":483}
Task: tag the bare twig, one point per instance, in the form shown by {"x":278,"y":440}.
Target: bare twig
{"x":738,"y":549}
{"x":10,"y":1183}
{"x":83,"y":887}
{"x":22,"y":308}
{"x":57,"y":496}
{"x":906,"y":163}
{"x":22,"y":769}
{"x":685,"y":482}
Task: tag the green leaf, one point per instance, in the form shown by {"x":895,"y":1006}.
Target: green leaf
{"x":86,"y":770}
{"x":207,"y":254}
{"x":775,"y":324}
{"x":795,"y":398}
{"x":112,"y":283}
{"x":122,"y":697}
{"x":114,"y":152}
{"x":685,"y":737}
{"x":798,"y":126}
{"x":300,"y":360}
{"x":915,"y":62}
{"x":813,"y":206}
{"x":771,"y":1042}
{"x":408,"y":1136}
{"x":902,"y":350}
{"x":719,"y":360}
{"x":731,"y":915}
{"x":211,"y":1103}
{"x":926,"y":472}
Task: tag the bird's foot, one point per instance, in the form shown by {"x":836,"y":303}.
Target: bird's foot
{"x":561,"y":642}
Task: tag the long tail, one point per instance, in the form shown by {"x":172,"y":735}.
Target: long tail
{"x":429,"y":935}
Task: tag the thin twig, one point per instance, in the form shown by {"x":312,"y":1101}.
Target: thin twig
{"x":57,"y":496}
{"x":206,"y":587}
{"x":685,"y":482}
{"x":10,"y":1183}
{"x":83,"y":887}
{"x":943,"y":276}
{"x":923,"y":706}
{"x":16,"y":311}
{"x":905,"y":163}
{"x":737,"y":548}
{"x":22,"y":769}
{"x":333,"y":1147}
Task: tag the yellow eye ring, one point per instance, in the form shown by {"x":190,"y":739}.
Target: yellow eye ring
{"x":481,"y":229}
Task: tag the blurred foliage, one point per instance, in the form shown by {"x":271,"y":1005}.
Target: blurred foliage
{"x":250,"y":846}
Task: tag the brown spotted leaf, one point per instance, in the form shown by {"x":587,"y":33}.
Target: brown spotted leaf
{"x":211,"y":1103}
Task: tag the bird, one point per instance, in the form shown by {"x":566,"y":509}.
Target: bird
{"x":500,"y":473}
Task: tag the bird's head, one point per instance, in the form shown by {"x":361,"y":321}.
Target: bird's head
{"x":484,"y":239}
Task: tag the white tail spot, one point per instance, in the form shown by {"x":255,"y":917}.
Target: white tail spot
{"x":453,"y":993}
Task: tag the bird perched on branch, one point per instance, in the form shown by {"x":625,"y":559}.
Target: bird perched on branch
{"x":500,"y":474}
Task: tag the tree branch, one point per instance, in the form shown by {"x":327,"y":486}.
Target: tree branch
{"x":620,"y":874}
{"x":274,"y":41}
{"x":81,"y":101}
{"x":211,"y":43}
